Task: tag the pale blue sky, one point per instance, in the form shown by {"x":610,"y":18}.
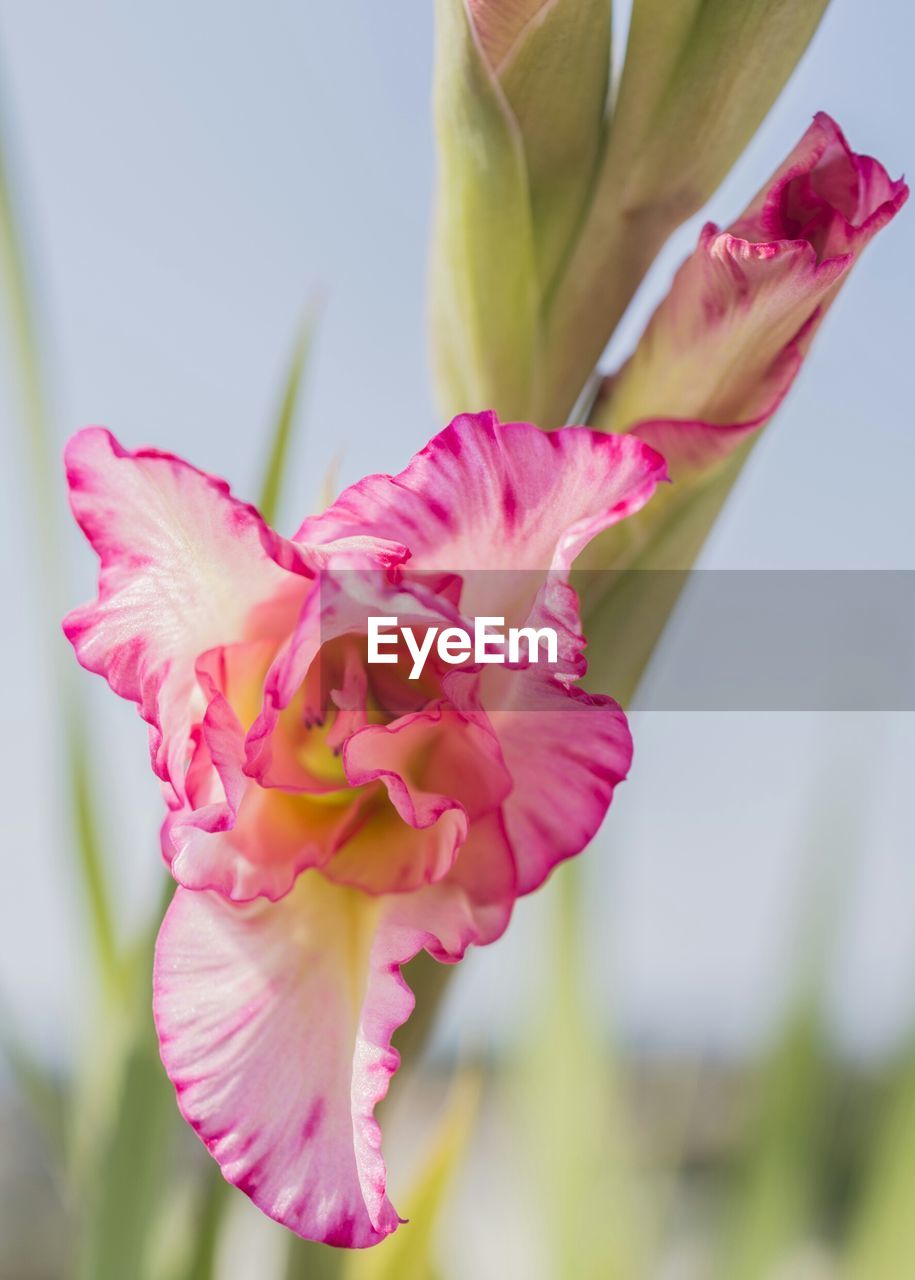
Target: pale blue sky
{"x":192,"y":173}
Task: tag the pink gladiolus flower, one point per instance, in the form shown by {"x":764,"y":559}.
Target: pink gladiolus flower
{"x":724,"y":346}
{"x":328,"y":819}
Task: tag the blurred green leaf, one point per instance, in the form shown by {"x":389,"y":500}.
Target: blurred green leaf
{"x":330,"y":483}
{"x":130,"y":1171}
{"x":428,"y":980}
{"x":214,"y":1198}
{"x":780,"y":1187}
{"x":485,"y":305}
{"x":39,"y":1089}
{"x":575,"y":1119}
{"x":44,"y":472}
{"x":409,"y":1254}
{"x":87,"y":834}
{"x":776,"y":1191}
{"x":882,"y":1238}
{"x":275,"y":469}
{"x":307,"y":1260}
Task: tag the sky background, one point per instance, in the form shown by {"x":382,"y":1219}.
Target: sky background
{"x":190,"y":176}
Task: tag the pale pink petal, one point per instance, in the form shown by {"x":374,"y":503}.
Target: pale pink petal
{"x":184,"y":567}
{"x":275,"y":1024}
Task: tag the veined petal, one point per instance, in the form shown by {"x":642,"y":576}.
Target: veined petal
{"x":275,"y":1022}
{"x":430,"y":753}
{"x":441,"y":772}
{"x":485,"y":495}
{"x":724,"y":346}
{"x":566,"y":751}
{"x":230,"y":833}
{"x":379,"y":852}
{"x":715,"y":349}
{"x":257,"y":843}
{"x":184,"y":567}
{"x":825,"y":194}
{"x":473,"y":904}
{"x":339,"y":607}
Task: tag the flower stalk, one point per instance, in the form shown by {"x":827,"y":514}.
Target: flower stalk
{"x":554,"y":196}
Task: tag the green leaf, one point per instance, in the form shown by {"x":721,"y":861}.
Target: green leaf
{"x":274,"y":471}
{"x":485,"y":304}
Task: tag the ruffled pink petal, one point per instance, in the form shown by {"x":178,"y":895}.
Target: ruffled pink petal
{"x":724,"y":346}
{"x":491,"y":496}
{"x":437,"y":751}
{"x":440,"y":771}
{"x":229,"y":833}
{"x":275,"y":1024}
{"x":253,"y":849}
{"x":824,"y":194}
{"x":474,"y":902}
{"x":566,"y":751}
{"x":184,"y":567}
{"x":244,"y":840}
{"x":378,"y":852}
{"x":339,"y":607}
